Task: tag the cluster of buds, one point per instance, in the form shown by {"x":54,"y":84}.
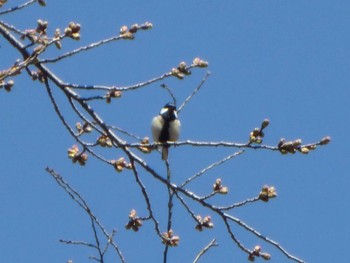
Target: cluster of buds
{"x":128,"y":33}
{"x":325,"y":140}
{"x":267,"y":192}
{"x":113,"y":94}
{"x":120,"y":164}
{"x":181,"y":71}
{"x":134,"y":221}
{"x":76,"y":156}
{"x":42,"y":26}
{"x":200,"y":63}
{"x":30,"y":34}
{"x":73,"y":31}
{"x":85,"y":128}
{"x":257,"y":134}
{"x":7,"y":85}
{"x":38,"y":75}
{"x":37,"y":35}
{"x":258,"y":253}
{"x":169,"y":239}
{"x":104,"y":141}
{"x":204,"y":223}
{"x":292,"y":146}
{"x":145,"y":149}
{"x":219,"y":188}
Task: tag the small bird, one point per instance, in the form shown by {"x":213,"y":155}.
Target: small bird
{"x":166,"y":127}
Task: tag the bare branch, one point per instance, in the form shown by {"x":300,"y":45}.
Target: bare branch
{"x":83,"y":243}
{"x":170,"y":92}
{"x":210,"y":167}
{"x":146,"y":197}
{"x":258,"y":234}
{"x":194,"y":92}
{"x":249,"y":200}
{"x":207,"y":144}
{"x":205,"y":249}
{"x":16,"y":8}
{"x":85,"y":48}
{"x":82,"y":108}
{"x":82,"y":203}
{"x":170,"y":207}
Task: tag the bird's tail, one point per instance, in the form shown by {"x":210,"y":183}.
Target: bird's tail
{"x":165,"y":152}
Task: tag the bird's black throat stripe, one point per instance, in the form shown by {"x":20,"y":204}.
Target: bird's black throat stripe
{"x":164,"y":134}
{"x":167,"y":117}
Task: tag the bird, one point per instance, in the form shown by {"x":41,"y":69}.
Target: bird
{"x":166,"y":127}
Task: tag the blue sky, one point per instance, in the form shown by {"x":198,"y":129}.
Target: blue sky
{"x":283,"y":60}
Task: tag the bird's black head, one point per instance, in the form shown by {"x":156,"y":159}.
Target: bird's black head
{"x":170,"y":106}
{"x":169,"y":112}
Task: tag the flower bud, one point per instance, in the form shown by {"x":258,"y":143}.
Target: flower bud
{"x":265,"y":123}
{"x":325,"y":140}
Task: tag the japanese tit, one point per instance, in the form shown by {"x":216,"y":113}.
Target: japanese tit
{"x":166,"y":127}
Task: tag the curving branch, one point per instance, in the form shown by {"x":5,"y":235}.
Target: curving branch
{"x":83,"y":110}
{"x":205,"y":249}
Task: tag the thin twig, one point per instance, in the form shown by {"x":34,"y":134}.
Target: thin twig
{"x":126,"y":132}
{"x":83,"y":204}
{"x":206,"y":144}
{"x":259,"y":235}
{"x":233,"y":237}
{"x":235,"y":205}
{"x":82,"y":243}
{"x":85,"y":48}
{"x":194,"y":92}
{"x":11,"y":27}
{"x":65,"y":124}
{"x":122,"y":88}
{"x":209,"y":195}
{"x":109,"y":241}
{"x":97,"y":240}
{"x":210,"y":167}
{"x":187,"y":207}
{"x":205,"y":249}
{"x":16,"y":8}
{"x":170,"y":207}
{"x":78,"y":50}
{"x":170,"y":92}
{"x":146,"y":197}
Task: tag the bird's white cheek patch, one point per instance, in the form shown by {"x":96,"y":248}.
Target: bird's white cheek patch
{"x":164,"y":110}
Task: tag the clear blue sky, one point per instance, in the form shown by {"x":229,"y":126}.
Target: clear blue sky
{"x":288,"y":61}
